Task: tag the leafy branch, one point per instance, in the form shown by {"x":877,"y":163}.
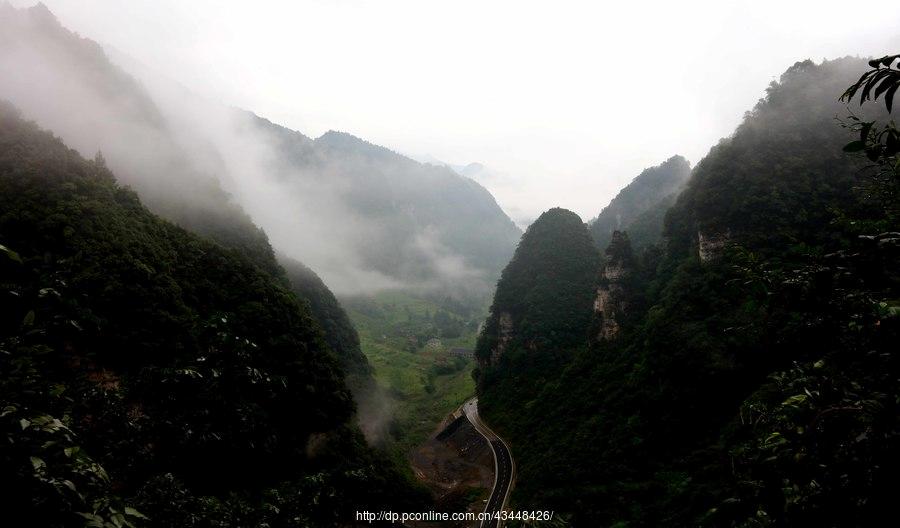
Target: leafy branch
{"x":882,"y":79}
{"x":880,"y":143}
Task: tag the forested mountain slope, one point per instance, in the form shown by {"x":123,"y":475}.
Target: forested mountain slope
{"x":363,"y":217}
{"x":421,"y":225}
{"x":343,"y":339}
{"x":465,"y":216}
{"x":542,"y":305}
{"x":67,"y":84}
{"x":198,"y":382}
{"x":758,"y":386}
{"x":338,"y":330}
{"x":639,"y":207}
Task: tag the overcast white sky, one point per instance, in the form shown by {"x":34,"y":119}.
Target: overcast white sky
{"x":567,"y":100}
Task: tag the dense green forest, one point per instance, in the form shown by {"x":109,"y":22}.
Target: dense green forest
{"x":754,"y":379}
{"x":544,"y":295}
{"x":640,"y":206}
{"x":148,"y":372}
{"x":339,"y":332}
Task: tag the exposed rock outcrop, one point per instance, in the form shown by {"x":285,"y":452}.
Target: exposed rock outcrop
{"x":605,"y":310}
{"x":711,"y":244}
{"x":612,"y":299}
{"x":504,"y":336}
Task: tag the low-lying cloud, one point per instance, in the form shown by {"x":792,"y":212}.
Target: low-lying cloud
{"x":178,"y":149}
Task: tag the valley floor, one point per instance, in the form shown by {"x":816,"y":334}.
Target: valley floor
{"x":414,"y":362}
{"x":420,"y":350}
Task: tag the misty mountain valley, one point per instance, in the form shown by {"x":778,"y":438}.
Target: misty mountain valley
{"x":667,"y":293}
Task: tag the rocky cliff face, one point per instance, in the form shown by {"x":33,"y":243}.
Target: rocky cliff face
{"x":604,"y":310}
{"x":504,"y":336}
{"x":612,"y":299}
{"x":710,"y":245}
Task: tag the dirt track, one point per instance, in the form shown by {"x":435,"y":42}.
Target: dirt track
{"x":456,"y":464}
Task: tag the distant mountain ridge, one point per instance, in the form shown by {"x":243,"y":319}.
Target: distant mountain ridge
{"x":639,"y":207}
{"x":363,"y":216}
{"x":421,"y":223}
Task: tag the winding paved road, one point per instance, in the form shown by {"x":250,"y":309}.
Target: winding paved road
{"x":504,"y":467}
